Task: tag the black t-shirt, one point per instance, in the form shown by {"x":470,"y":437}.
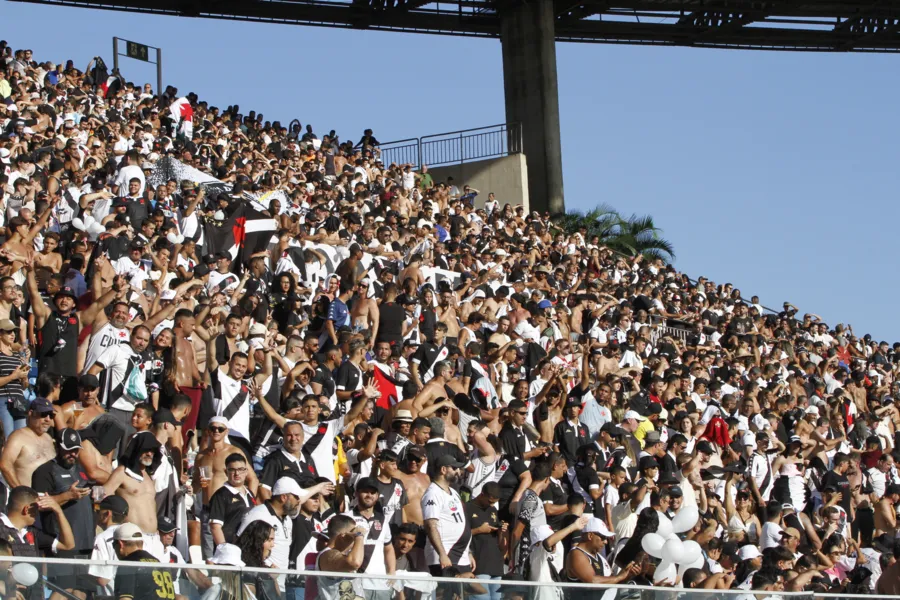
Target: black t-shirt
{"x":390,"y":322}
{"x":440,"y":447}
{"x":393,"y":498}
{"x":53,"y":479}
{"x":278,"y":464}
{"x":513,"y":441}
{"x":485,"y":546}
{"x":138,"y":584}
{"x":509,"y":470}
{"x":349,"y":377}
{"x":324,"y":378}
{"x":425,"y":356}
{"x":667,"y":464}
{"x":574,"y":537}
{"x":557,"y":495}
{"x":842,"y":484}
{"x":227,"y":508}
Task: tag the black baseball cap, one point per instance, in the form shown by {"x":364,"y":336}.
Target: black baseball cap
{"x":69,"y":439}
{"x":117,"y":504}
{"x":367,"y":483}
{"x":166,"y":525}
{"x":447,"y":461}
{"x":88,"y":381}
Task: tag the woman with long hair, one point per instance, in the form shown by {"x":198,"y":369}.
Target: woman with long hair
{"x":790,"y":487}
{"x":13,"y":379}
{"x":685,"y":426}
{"x":743,"y":524}
{"x":256,"y":543}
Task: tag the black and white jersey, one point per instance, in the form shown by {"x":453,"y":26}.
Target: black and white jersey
{"x":377,"y":535}
{"x":321,"y":443}
{"x":102,"y":339}
{"x":448,"y":509}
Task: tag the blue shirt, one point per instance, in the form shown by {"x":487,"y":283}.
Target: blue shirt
{"x":339,"y":313}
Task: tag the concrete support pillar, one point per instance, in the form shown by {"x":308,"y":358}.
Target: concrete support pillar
{"x":527,"y":34}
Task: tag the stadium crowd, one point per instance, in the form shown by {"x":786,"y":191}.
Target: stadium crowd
{"x":407,"y":378}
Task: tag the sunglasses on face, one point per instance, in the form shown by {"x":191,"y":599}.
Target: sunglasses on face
{"x":217,"y":430}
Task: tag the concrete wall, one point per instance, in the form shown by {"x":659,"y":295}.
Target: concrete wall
{"x":506,"y":176}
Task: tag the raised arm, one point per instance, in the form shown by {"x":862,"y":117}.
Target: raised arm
{"x":40,"y":308}
{"x":90,"y":313}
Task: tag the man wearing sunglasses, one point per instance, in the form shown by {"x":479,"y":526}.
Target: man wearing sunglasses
{"x":29,"y":447}
{"x":211,"y":472}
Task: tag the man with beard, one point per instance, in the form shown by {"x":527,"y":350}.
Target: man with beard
{"x":279,"y":512}
{"x":30,"y":447}
{"x":115,"y":365}
{"x":66,"y":482}
{"x":108,"y":332}
{"x":378,"y":554}
{"x":132,"y":481}
{"x":446,"y":525}
{"x":59,"y":327}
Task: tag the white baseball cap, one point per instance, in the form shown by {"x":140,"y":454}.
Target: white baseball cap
{"x":128,"y":532}
{"x":749,"y":552}
{"x":287,"y":485}
{"x":540,"y":533}
{"x":631,"y":414}
{"x":596,"y":525}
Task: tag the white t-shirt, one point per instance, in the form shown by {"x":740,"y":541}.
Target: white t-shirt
{"x":125,"y":175}
{"x":448,"y":509}
{"x":104,"y":550}
{"x":770,"y":535}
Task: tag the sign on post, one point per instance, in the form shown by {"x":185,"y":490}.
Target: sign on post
{"x":137,"y":51}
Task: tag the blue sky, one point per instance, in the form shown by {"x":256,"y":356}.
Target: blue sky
{"x":773,"y":171}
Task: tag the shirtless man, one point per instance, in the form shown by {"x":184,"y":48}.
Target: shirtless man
{"x":436,"y":388}
{"x":29,"y":447}
{"x":517,"y":311}
{"x":415,"y":483}
{"x":447,"y":314}
{"x":132,"y":481}
{"x":188,"y":380}
{"x":213,"y":458}
{"x":19,"y":247}
{"x":364,"y":312}
{"x":412,"y":271}
{"x":885,"y":511}
{"x":88,"y":396}
{"x":48,"y":257}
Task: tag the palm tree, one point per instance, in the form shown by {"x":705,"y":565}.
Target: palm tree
{"x":602,"y":221}
{"x":627,"y":235}
{"x":639,"y":235}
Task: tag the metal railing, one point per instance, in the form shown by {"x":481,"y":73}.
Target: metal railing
{"x":455,"y":147}
{"x":196,"y":581}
